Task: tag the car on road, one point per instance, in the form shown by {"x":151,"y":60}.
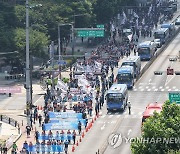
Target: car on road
{"x":177,"y":22}
{"x":158,"y":43}
{"x":150,"y":109}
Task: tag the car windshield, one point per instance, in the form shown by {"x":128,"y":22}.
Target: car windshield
{"x":159,"y":36}
{"x":114,"y":98}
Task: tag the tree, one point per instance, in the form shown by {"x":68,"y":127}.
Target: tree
{"x":160,"y":126}
{"x":38,"y":42}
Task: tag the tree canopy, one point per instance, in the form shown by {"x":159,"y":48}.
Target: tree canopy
{"x":44,"y":20}
{"x":160,"y":126}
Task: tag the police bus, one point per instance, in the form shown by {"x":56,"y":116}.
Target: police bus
{"x":135,"y":62}
{"x":162,"y":34}
{"x":126,"y":76}
{"x":170,"y":26}
{"x":146,"y":50}
{"x":117,"y":97}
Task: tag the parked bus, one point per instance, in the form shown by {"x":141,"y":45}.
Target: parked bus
{"x":135,"y":62}
{"x":117,"y":97}
{"x":126,"y":76}
{"x":146,"y":50}
{"x":162,"y":34}
{"x":170,"y":26}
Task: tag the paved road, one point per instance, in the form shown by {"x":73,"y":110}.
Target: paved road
{"x":149,"y":88}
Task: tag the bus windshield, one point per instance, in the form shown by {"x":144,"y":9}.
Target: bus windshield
{"x":143,"y":51}
{"x":159,"y":36}
{"x":124,"y":77}
{"x":129,"y":64}
{"x":114,"y":98}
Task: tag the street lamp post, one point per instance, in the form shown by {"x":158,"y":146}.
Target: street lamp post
{"x":73,"y":26}
{"x":59,"y":44}
{"x":28,"y":98}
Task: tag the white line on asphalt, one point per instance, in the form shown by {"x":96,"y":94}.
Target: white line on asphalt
{"x":162,"y":89}
{"x":103,"y":127}
{"x":134,"y":89}
{"x":176,"y":90}
{"x":38,"y":99}
{"x":169,"y":80}
{"x":147,"y":87}
{"x":167,"y":87}
{"x":129,"y":131}
{"x":149,"y":80}
{"x":174,"y":87}
{"x":153,"y":87}
{"x":110,"y":116}
{"x":149,"y":90}
{"x":103,"y":116}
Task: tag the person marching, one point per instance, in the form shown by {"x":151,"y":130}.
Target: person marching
{"x":129,"y":107}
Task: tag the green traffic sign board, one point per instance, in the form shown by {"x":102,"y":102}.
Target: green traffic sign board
{"x":90,"y":32}
{"x":174,"y":97}
{"x":100,"y":26}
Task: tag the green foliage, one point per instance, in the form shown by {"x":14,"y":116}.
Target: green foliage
{"x":165,"y":126}
{"x":38,"y":41}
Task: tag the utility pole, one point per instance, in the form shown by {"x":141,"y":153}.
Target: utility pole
{"x":52,"y":62}
{"x":28,"y":98}
{"x":59,"y":50}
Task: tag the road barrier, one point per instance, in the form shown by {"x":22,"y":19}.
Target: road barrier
{"x":13,"y":123}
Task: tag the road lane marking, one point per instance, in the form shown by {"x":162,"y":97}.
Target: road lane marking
{"x":174,"y":87}
{"x":160,"y":87}
{"x":103,"y":127}
{"x":129,"y":131}
{"x":149,"y":90}
{"x":153,"y":87}
{"x":167,"y":87}
{"x":110,"y":116}
{"x":147,"y":87}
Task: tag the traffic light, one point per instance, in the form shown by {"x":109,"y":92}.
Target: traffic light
{"x":158,"y":72}
{"x":170,"y":71}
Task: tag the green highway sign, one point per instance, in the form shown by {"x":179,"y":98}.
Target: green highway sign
{"x":100,"y":26}
{"x":90,"y":32}
{"x":174,"y":97}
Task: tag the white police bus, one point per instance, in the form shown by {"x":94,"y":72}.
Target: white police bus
{"x":146,"y":50}
{"x":135,"y":62}
{"x":162,"y":34}
{"x":117,"y":97}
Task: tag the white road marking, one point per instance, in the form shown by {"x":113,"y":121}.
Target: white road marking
{"x":38,"y":99}
{"x":110,"y":116}
{"x":149,"y":90}
{"x":149,"y":80}
{"x":169,"y":80}
{"x":147,"y":87}
{"x":155,"y":89}
{"x":103,"y":127}
{"x":174,"y":87}
{"x":162,"y":89}
{"x":129,"y":131}
{"x":134,"y":89}
{"x":167,"y":87}
{"x":142,"y":89}
{"x":103,"y":116}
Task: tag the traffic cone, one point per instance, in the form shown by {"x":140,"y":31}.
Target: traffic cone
{"x":82,"y":134}
{"x":95,"y":118}
{"x":87,"y":128}
{"x":77,"y":143}
{"x":80,"y":139}
{"x":73,"y":148}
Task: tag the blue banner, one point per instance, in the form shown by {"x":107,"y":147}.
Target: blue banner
{"x":65,"y":115}
{"x":45,"y":148}
{"x":61,"y":137}
{"x":83,"y":121}
{"x":61,"y":126}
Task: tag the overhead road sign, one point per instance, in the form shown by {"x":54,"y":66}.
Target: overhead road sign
{"x":90,"y":32}
{"x":174,"y":97}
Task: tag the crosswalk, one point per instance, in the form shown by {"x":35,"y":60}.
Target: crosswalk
{"x":119,"y":115}
{"x":155,"y":88}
